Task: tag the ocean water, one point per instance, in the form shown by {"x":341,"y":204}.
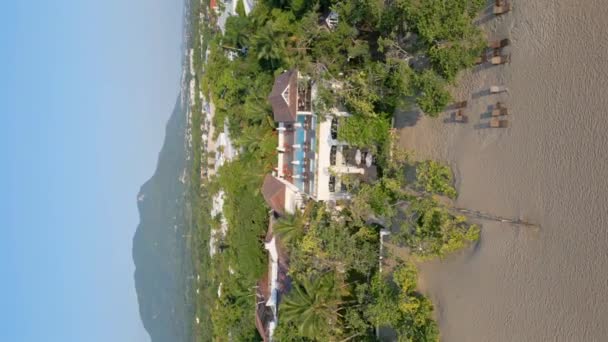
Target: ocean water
{"x":550,"y":167}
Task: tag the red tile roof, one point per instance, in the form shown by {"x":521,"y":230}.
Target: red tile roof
{"x":282,"y":110}
{"x":263,"y":315}
{"x":273,"y":191}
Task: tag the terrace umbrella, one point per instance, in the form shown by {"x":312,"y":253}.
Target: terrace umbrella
{"x":358,"y":157}
{"x":368,"y":160}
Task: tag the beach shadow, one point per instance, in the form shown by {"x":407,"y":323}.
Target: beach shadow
{"x":486,"y":115}
{"x":472,"y":251}
{"x":451,"y":119}
{"x":486,"y":14}
{"x":454,"y":106}
{"x":407,"y":117}
{"x":481,"y":94}
{"x":482,"y":67}
{"x":485,"y":17}
{"x":482,"y":125}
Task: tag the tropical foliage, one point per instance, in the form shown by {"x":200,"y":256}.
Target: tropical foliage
{"x":433,"y":95}
{"x":359,"y":131}
{"x":435,"y":178}
{"x":312,"y":306}
{"x":431,"y":230}
{"x":398,"y":305}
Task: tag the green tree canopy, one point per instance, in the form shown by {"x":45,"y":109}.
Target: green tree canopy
{"x":290,"y":227}
{"x":312,"y":306}
{"x":433,"y":97}
{"x":432,"y":230}
{"x":435,"y":178}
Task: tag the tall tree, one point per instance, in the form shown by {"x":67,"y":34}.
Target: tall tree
{"x":312,"y":306}
{"x":290,"y":227}
{"x":269,"y":45}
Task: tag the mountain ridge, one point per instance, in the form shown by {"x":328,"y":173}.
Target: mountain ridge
{"x":162,"y":263}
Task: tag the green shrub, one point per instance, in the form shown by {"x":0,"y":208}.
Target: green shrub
{"x":435,"y":178}
{"x":432,"y":95}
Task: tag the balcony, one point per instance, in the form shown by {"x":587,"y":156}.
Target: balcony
{"x":304,"y":95}
{"x":334,"y":128}
{"x":332,"y":155}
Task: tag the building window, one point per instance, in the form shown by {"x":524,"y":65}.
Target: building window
{"x":332,"y":155}
{"x":332,"y":184}
{"x":334,"y":128}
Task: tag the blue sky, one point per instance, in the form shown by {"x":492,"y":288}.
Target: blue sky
{"x":86,"y":87}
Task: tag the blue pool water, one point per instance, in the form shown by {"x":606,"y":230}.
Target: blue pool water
{"x":299,"y":169}
{"x":300,"y":139}
{"x":299,"y":183}
{"x":300,"y":132}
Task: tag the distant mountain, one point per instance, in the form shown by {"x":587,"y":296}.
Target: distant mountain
{"x":162,"y":261}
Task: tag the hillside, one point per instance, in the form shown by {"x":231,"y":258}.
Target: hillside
{"x":163,"y":264}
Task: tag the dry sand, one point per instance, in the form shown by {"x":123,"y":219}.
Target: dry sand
{"x":550,"y":167}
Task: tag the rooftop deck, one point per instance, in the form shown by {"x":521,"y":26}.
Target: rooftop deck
{"x":304,"y":95}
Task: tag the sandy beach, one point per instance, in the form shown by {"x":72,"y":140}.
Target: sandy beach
{"x":549,"y":167}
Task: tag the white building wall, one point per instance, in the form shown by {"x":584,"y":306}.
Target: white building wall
{"x":323,"y":165}
{"x":274,"y":283}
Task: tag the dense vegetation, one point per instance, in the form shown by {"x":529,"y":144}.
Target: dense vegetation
{"x":379,"y":57}
{"x":339,"y":292}
{"x":397,"y":304}
{"x":198,"y":197}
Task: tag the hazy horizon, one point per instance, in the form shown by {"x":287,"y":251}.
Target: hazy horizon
{"x":87,"y":89}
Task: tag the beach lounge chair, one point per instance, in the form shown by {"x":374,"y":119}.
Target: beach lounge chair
{"x":500,"y":112}
{"x":499,"y":109}
{"x":461,"y":104}
{"x":496,"y":60}
{"x":505,"y":7}
{"x":496,"y":123}
{"x":499,"y":44}
{"x":498,"y":89}
{"x":460,"y":117}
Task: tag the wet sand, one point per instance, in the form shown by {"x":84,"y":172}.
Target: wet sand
{"x":550,"y":167}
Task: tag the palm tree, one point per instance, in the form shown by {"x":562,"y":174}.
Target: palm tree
{"x":250,"y":138}
{"x":290,"y":227}
{"x":312,"y":306}
{"x":269,"y":45}
{"x":256,"y":110}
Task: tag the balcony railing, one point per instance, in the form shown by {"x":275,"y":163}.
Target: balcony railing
{"x":304,"y":96}
{"x":334,"y":128}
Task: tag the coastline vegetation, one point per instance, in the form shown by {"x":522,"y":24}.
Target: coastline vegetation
{"x":382,"y":57}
